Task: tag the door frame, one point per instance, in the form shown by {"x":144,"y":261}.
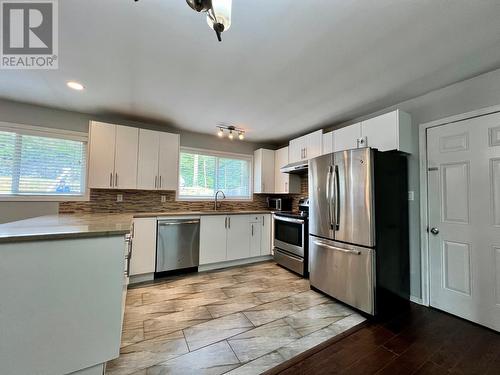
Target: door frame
{"x":424,"y":218}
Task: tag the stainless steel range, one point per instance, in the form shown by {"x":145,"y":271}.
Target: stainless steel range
{"x":291,"y":238}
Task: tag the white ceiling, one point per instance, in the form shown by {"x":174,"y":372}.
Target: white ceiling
{"x":284,"y":67}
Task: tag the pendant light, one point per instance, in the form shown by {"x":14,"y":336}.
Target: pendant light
{"x":218,"y":13}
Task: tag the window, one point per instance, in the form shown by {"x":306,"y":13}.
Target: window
{"x":41,"y":162}
{"x":202,"y":173}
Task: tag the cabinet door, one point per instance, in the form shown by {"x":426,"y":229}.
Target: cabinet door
{"x":381,"y":132}
{"x":295,"y":150}
{"x":101,"y":155}
{"x":168,"y":161}
{"x":266,"y":235}
{"x":314,"y":144}
{"x":255,"y":238}
{"x":127,"y":143}
{"x":147,"y":163}
{"x":213,"y":239}
{"x":238,"y":237}
{"x":143,"y":246}
{"x":264,"y":171}
{"x":281,"y":180}
{"x":327,"y":143}
{"x":346,"y":138}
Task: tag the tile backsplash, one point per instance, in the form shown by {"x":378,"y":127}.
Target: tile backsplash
{"x":104,"y":201}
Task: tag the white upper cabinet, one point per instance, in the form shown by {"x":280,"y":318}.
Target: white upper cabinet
{"x":127,"y":142}
{"x":102,"y":155}
{"x":168,"y":168}
{"x":263,"y":171}
{"x":284,"y":183}
{"x":113,"y":156}
{"x":147,"y":170}
{"x":314,"y":144}
{"x":306,"y":147}
{"x":327,"y":143}
{"x":346,"y":138}
{"x":391,"y":131}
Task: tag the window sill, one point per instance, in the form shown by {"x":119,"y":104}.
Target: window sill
{"x":44,"y":198}
{"x":206,"y":199}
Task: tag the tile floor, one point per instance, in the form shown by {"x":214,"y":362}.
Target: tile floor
{"x":242,"y":320}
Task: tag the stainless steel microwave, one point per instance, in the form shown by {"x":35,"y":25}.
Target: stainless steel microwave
{"x":279,"y":204}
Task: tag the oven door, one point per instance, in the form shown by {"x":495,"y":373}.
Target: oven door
{"x":289,"y":234}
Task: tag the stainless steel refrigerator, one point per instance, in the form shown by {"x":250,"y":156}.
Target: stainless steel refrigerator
{"x":358,"y":227}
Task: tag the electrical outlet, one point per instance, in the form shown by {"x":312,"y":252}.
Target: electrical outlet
{"x":411,"y":195}
{"x":119,"y":197}
{"x":163,"y":198}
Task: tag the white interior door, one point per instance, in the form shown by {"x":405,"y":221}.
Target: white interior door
{"x":464,"y":218}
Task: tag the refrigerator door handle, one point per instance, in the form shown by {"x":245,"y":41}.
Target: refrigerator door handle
{"x":328,"y":195}
{"x":347,"y":251}
{"x":337,"y":198}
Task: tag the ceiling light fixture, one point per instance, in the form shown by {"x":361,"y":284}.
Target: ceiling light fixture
{"x":75,"y":85}
{"x":218,"y":13}
{"x":232,"y":130}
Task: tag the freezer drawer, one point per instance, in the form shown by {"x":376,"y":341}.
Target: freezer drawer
{"x":345,"y":272}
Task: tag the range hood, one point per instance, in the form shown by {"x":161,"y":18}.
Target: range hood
{"x":299,"y":167}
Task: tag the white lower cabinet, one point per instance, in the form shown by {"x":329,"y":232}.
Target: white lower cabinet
{"x":255,"y":236}
{"x":213,"y":239}
{"x":234,"y":237}
{"x":238,"y":237}
{"x":267,"y":235}
{"x":143,"y":246}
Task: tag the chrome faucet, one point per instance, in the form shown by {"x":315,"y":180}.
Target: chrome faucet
{"x":215,"y":198}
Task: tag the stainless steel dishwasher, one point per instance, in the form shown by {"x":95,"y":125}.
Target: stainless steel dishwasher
{"x":178,"y":244}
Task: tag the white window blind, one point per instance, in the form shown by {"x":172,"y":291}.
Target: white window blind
{"x":41,"y":163}
{"x":202,"y":173}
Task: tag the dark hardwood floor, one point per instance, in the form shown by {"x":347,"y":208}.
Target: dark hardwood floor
{"x":418,"y":340}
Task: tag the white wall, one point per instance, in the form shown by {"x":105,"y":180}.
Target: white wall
{"x":21,"y":113}
{"x":475,"y":93}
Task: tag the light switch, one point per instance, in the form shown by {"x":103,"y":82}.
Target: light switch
{"x":119,"y":197}
{"x":411,"y":195}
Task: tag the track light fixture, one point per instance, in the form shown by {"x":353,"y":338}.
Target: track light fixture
{"x":231,"y":132}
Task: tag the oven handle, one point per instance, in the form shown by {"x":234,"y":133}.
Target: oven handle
{"x":289,"y":219}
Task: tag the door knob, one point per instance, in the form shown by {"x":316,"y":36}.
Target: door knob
{"x":434,"y":231}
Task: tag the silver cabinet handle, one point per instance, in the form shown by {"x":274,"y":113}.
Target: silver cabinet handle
{"x":156,"y":181}
{"x":111,"y":179}
{"x":252,"y":230}
{"x":225,"y":222}
{"x":160,"y":181}
{"x":229,"y":222}
{"x":263,"y":221}
{"x":116,"y":179}
{"x":347,"y":251}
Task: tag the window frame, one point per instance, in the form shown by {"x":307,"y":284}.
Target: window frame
{"x":50,"y":133}
{"x":217,"y":154}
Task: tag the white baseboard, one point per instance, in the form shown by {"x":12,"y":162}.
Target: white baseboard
{"x":135,"y":279}
{"x":232,"y":263}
